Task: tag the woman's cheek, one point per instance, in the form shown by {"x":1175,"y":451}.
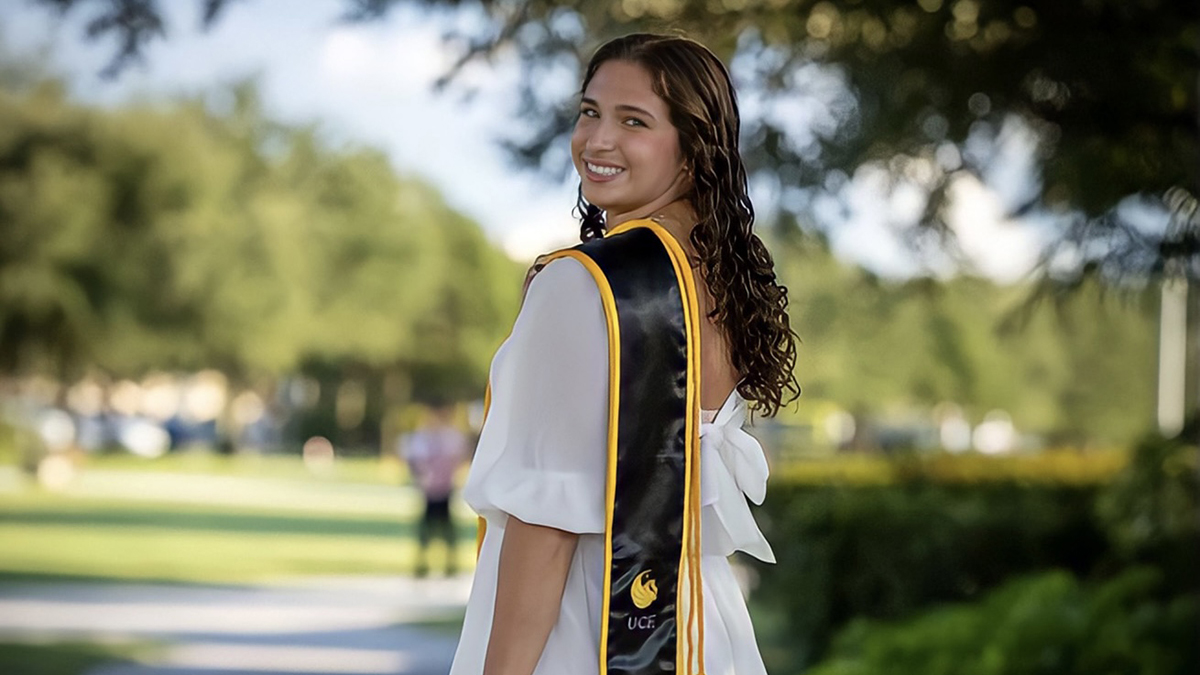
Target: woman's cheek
{"x":578,"y":136}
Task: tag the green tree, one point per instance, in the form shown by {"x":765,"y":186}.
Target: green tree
{"x":172,"y":236}
{"x":926,"y":89}
{"x":1078,"y":370}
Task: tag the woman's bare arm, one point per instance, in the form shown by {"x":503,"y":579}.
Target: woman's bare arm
{"x":534,"y":561}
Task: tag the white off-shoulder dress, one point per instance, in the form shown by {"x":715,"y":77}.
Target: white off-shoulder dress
{"x":541,"y":458}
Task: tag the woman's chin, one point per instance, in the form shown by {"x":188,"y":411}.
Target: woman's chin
{"x":601,"y":201}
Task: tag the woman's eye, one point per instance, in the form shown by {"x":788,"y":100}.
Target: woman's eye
{"x":588,"y":112}
{"x":635,"y":122}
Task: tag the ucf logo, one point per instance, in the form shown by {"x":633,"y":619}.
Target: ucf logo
{"x":644,"y":590}
{"x":641,"y":622}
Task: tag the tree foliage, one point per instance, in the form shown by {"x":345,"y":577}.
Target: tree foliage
{"x":926,"y":89}
{"x":1077,"y":369}
{"x":177,"y":236}
{"x":199,"y":233}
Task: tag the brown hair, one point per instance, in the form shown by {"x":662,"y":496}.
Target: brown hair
{"x":750,"y":305}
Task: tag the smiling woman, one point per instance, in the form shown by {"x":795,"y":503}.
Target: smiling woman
{"x":612,"y":474}
{"x":624,"y":147}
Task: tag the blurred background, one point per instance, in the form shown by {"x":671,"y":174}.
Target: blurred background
{"x":255,"y":254}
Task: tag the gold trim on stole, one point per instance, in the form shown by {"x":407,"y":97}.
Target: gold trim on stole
{"x":614,"y":406}
{"x":689,"y":653}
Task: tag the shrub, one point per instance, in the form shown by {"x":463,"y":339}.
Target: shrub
{"x":884,"y":552}
{"x":1052,"y":467}
{"x":1151,"y":511}
{"x":1044,"y":624}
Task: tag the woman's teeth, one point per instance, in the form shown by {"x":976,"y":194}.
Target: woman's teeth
{"x":604,"y":170}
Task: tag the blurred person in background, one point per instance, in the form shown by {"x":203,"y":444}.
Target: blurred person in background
{"x":433,"y":453}
{"x":662,"y":324}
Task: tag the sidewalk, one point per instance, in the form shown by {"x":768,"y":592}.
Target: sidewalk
{"x":348,"y":626}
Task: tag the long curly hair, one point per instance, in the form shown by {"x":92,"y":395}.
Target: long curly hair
{"x":750,"y":305}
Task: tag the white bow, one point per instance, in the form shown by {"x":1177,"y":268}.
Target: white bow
{"x":741,"y":453}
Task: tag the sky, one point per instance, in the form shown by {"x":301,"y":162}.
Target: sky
{"x":371,"y":84}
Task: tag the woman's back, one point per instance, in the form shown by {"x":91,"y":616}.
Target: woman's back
{"x":718,"y":376}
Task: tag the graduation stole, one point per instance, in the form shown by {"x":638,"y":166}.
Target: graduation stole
{"x":653,"y":615}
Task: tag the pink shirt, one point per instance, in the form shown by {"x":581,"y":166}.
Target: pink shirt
{"x":433,"y":455}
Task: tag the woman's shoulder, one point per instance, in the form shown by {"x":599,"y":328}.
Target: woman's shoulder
{"x":557,"y":274}
{"x":561,"y":319}
{"x":562,"y":291}
{"x":633,"y":243}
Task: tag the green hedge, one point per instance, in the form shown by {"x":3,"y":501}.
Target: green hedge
{"x":887,"y":551}
{"x":1044,"y":624}
{"x":925,"y":537}
{"x":1052,"y":467}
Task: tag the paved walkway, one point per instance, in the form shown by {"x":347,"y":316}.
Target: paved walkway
{"x":354,"y":626}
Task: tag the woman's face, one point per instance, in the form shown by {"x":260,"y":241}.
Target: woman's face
{"x":624,"y":146}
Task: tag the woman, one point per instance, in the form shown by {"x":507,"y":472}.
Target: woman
{"x":571,"y":576}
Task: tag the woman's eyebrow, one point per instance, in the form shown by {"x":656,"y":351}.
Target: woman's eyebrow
{"x":624,"y":107}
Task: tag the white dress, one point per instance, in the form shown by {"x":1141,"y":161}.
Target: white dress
{"x":542,"y":456}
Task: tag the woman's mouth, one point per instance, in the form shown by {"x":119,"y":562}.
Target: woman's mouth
{"x":599,"y":172}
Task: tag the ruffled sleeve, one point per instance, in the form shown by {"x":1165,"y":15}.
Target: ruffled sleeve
{"x":542,"y":452}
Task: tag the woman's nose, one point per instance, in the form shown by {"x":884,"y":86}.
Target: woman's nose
{"x":602,"y":137}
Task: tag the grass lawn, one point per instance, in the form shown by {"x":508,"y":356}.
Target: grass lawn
{"x":64,"y":658}
{"x":232,"y":523}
